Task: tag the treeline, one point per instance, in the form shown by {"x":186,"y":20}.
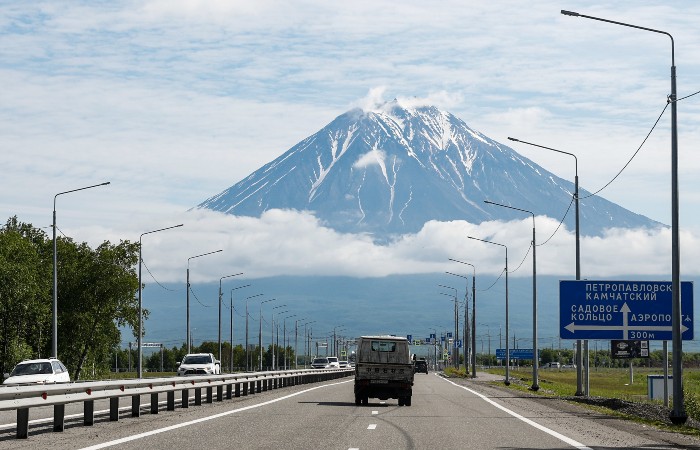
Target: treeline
{"x":165,"y":360}
{"x":96,"y":296}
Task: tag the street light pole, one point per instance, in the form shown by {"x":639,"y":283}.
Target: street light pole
{"x":473,"y":337}
{"x":54,"y":335}
{"x":334,"y":329}
{"x":220,"y":295}
{"x":284,"y":338}
{"x":188,"y":294}
{"x":139,"y":373}
{"x":296,"y":342}
{"x":231,"y":308}
{"x":260,"y":331}
{"x":455,"y":351}
{"x":307,"y":344}
{"x":581,"y":389}
{"x":535,"y":357}
{"x":678,"y":415}
{"x":466,"y":320}
{"x":247,"y":362}
{"x":272,"y":333}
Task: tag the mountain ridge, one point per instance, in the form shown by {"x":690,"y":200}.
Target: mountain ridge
{"x":390,"y":170}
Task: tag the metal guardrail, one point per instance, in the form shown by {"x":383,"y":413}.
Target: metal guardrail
{"x":24,"y":397}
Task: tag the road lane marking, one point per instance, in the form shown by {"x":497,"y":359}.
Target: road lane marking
{"x":372,"y":426}
{"x":549,"y":431}
{"x":375,"y":412}
{"x":205,"y":419}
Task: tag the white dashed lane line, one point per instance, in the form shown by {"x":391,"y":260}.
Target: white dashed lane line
{"x":372,"y":426}
{"x":375,"y":412}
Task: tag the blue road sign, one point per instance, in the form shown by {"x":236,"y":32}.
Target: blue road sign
{"x":515,"y":353}
{"x":449,"y":334}
{"x":622,"y":310}
{"x":409,"y":337}
{"x":458,"y":343}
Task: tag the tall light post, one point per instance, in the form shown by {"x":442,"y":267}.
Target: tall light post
{"x":435,"y":364}
{"x":455,"y":350}
{"x":535,"y":357}
{"x":447,"y":341}
{"x":54,"y":336}
{"x":139,"y":373}
{"x":678,"y":415}
{"x":466,"y":321}
{"x":220,"y":295}
{"x":260,"y":331}
{"x":473,"y":337}
{"x":507,"y":380}
{"x":231,"y":311}
{"x":296,"y":341}
{"x":334,"y":334}
{"x":488,"y":335}
{"x":272,"y":331}
{"x":579,"y":353}
{"x":307,"y":344}
{"x":284,"y":337}
{"x":247,"y":361}
{"x":188,"y":294}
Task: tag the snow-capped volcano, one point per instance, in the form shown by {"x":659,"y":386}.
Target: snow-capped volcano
{"x":391,"y":170}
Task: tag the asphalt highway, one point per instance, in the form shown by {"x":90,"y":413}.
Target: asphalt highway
{"x":445,"y":414}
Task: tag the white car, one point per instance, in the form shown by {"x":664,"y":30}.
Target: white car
{"x":319,"y":363}
{"x":333,"y":363}
{"x":38,"y":371}
{"x":199,"y":364}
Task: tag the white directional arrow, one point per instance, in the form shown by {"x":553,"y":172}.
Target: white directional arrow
{"x":625,"y":328}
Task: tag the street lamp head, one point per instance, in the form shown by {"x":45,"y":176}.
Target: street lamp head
{"x":570,"y":13}
{"x":229,"y":276}
{"x":203,"y":254}
{"x":513,"y":139}
{"x":240,"y":287}
{"x":455,"y":274}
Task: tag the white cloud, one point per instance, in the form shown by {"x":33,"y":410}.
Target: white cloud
{"x":372,"y":157}
{"x":284,"y":242}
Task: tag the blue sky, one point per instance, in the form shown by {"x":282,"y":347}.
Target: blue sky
{"x":175,"y":100}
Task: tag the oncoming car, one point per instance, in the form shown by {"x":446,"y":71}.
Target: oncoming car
{"x":199,"y":364}
{"x":38,"y":371}
{"x":333,"y":362}
{"x":319,"y":363}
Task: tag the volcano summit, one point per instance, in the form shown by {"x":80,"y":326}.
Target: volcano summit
{"x":387,"y":172}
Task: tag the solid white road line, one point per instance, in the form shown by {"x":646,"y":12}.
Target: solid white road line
{"x":205,"y":419}
{"x":549,"y":431}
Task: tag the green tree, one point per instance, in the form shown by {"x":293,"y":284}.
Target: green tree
{"x":25,"y":296}
{"x":96,"y":297}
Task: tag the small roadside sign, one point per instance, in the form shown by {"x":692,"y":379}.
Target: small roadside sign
{"x":626,"y":349}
